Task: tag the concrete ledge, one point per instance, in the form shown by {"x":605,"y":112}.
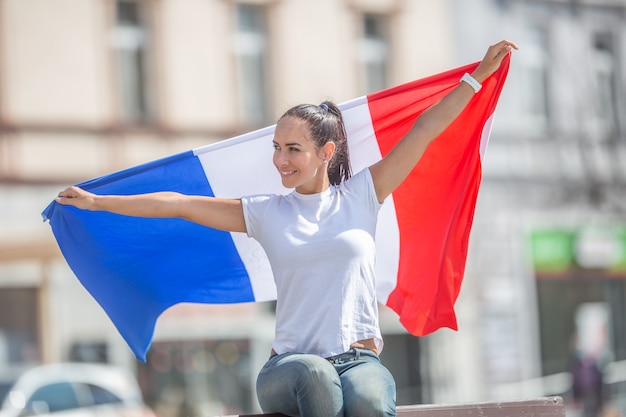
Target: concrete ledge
{"x":539,"y":407}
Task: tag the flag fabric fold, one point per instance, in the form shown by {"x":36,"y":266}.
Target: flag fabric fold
{"x":137,"y":268}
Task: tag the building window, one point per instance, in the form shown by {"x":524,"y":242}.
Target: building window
{"x":604,"y":86}
{"x":536,"y":108}
{"x":19,"y":327}
{"x":251,"y":52}
{"x":374,"y":52}
{"x":130,"y":40}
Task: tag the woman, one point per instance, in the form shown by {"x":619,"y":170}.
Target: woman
{"x":320,"y":243}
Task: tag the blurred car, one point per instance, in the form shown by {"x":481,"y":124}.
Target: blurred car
{"x":72,"y":390}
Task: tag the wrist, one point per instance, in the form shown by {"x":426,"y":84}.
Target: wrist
{"x":472,"y":82}
{"x":479,"y":75}
{"x":95,"y":203}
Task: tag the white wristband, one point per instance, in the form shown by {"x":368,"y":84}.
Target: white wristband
{"x":472,"y":82}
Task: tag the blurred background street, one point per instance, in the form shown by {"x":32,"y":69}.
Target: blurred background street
{"x":90,"y":87}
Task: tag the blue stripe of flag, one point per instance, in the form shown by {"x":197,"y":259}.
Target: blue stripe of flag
{"x":136,"y":268}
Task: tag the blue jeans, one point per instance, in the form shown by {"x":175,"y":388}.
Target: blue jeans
{"x":354,"y":383}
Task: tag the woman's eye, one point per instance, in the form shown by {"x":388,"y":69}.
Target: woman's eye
{"x":294,"y":149}
{"x":276,"y":147}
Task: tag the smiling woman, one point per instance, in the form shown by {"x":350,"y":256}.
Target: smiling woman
{"x":319,"y":240}
{"x":323,"y":126}
{"x":310,"y":159}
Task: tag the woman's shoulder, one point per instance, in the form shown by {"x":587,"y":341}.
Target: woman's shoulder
{"x":361,"y":185}
{"x":362,"y":179}
{"x":260,"y":198}
{"x":265,"y":200}
{"x":258,"y":209}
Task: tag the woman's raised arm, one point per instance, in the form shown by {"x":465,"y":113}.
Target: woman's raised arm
{"x":389,"y":172}
{"x":218,"y":213}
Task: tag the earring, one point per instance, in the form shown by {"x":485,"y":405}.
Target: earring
{"x":325,"y":161}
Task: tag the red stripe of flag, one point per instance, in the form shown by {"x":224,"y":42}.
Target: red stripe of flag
{"x":435,"y":204}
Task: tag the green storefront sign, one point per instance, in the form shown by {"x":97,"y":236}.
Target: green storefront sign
{"x":558,"y":250}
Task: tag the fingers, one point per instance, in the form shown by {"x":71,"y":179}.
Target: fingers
{"x":500,"y":49}
{"x":493,"y":58}
{"x":68,"y":192}
{"x":69,"y":195}
{"x":506,"y":44}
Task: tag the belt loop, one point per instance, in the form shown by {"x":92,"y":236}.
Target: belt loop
{"x":358,"y":354}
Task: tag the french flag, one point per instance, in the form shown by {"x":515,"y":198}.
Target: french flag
{"x":136,"y":268}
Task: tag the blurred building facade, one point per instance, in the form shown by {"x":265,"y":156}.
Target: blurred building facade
{"x":88,"y":87}
{"x":548,"y":247}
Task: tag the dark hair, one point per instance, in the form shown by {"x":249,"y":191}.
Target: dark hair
{"x":326,"y":125}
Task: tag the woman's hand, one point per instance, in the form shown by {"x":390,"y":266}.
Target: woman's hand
{"x":492,"y":60}
{"x":77,"y":197}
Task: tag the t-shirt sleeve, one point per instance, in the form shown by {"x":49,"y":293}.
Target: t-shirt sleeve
{"x":254,"y":207}
{"x":362,"y":185}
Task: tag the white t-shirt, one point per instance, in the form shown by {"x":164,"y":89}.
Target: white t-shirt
{"x":322,"y":252}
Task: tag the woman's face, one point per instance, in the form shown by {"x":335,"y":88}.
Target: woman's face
{"x":298,"y":161}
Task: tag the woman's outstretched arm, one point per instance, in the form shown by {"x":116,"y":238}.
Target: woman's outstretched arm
{"x":218,"y":213}
{"x":389,"y":172}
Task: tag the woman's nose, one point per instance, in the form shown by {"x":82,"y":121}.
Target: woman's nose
{"x":279,"y":158}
